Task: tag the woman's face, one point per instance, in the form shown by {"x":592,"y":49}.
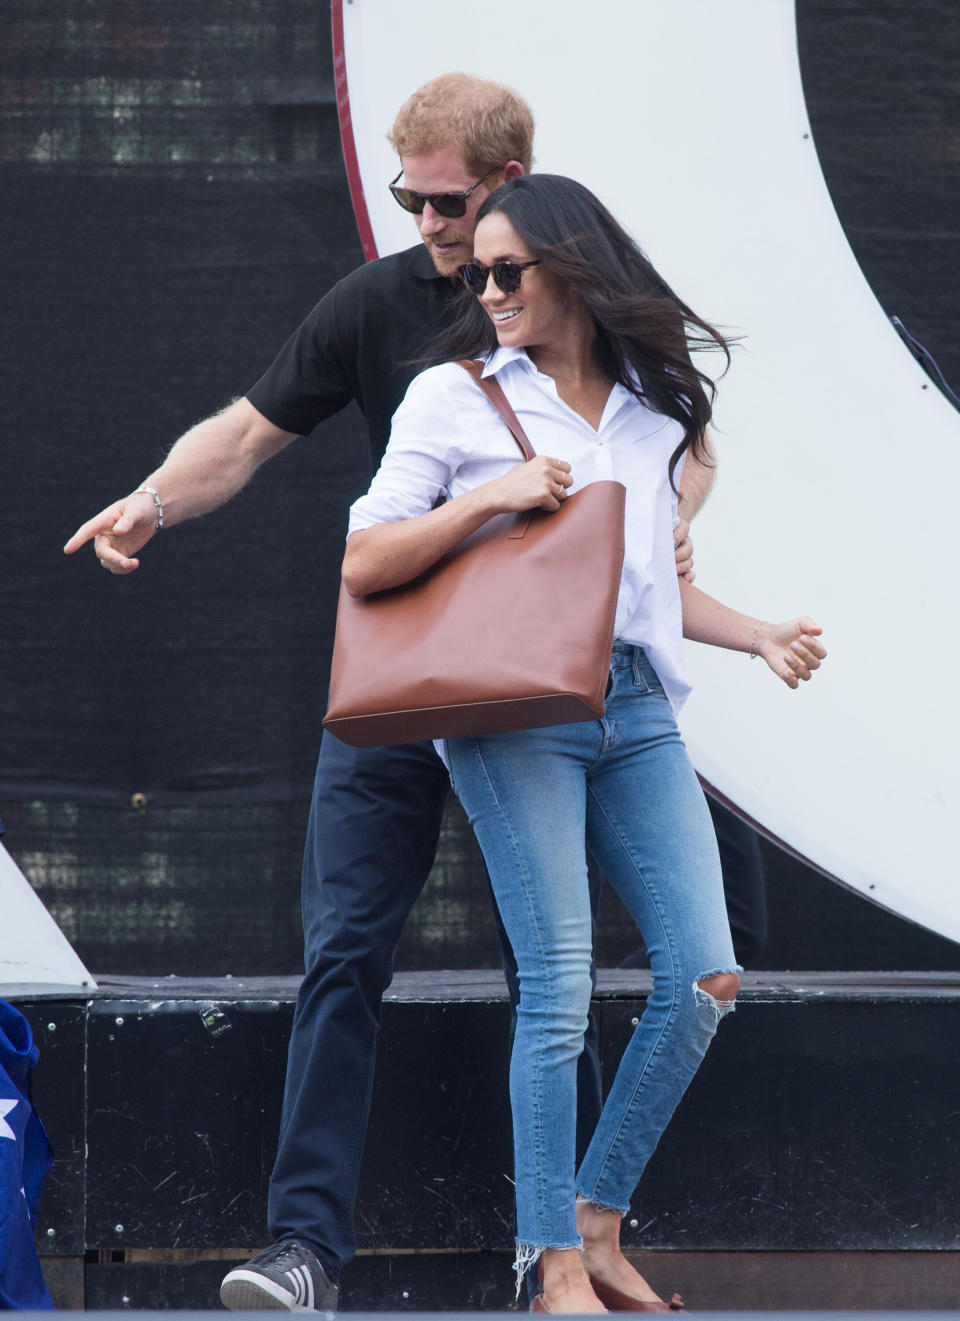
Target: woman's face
{"x":543,"y":311}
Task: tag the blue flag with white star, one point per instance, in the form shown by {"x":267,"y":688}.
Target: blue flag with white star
{"x":25,"y":1158}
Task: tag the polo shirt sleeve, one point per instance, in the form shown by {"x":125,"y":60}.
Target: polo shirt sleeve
{"x":312,"y":376}
{"x":429,"y":440}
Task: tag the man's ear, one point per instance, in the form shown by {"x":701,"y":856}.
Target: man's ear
{"x":512,"y":170}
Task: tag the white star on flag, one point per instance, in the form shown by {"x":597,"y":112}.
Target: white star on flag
{"x":5,"y":1130}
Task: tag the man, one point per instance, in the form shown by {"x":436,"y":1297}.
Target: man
{"x":375,"y":814}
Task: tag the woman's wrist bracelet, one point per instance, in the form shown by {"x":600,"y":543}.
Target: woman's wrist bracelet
{"x":148,"y":490}
{"x":753,"y":642}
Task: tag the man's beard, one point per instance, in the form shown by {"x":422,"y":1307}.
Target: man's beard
{"x":450,"y":263}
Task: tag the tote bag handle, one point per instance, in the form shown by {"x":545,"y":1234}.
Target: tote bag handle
{"x":492,"y":388}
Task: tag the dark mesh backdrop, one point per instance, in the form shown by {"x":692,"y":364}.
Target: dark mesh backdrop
{"x":172,"y":202}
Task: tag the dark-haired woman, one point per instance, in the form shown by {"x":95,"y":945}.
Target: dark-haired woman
{"x":593,"y":351}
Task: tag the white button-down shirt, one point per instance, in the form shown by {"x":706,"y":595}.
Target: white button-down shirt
{"x":447,"y":439}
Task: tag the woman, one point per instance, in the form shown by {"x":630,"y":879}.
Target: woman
{"x":593,"y":351}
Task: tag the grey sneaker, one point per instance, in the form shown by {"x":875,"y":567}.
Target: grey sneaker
{"x":286,"y":1277}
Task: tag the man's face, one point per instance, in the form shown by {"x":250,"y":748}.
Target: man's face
{"x":449,"y":242}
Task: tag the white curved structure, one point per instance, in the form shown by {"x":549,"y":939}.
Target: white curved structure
{"x":35,"y":955}
{"x":688,"y":119}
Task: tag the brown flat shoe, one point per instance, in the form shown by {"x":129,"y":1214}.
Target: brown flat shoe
{"x":615,"y":1301}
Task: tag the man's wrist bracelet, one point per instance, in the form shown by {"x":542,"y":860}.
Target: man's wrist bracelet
{"x":148,"y":490}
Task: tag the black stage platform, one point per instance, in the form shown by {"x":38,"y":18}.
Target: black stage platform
{"x":812,"y":1165}
{"x":511,"y":1316}
{"x":504,"y":1316}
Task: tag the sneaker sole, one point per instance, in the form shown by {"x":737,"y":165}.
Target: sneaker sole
{"x":249,"y":1291}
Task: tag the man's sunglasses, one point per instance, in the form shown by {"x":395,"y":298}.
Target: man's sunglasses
{"x":506,"y":275}
{"x":449,"y":205}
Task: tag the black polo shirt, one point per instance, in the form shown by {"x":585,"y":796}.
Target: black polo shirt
{"x":357,"y":343}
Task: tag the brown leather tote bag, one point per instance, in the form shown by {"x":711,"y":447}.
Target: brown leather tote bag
{"x":509,"y":632}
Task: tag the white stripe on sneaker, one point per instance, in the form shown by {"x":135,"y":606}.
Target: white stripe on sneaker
{"x":302,"y":1282}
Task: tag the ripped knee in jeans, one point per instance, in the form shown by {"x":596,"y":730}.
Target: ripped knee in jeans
{"x":717,"y":991}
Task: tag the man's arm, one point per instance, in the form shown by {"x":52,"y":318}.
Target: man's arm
{"x":696,"y":481}
{"x":206,"y":467}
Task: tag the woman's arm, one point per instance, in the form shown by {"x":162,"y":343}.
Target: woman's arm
{"x":791,"y":649}
{"x":390,"y":554}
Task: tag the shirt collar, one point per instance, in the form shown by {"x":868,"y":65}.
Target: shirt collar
{"x":501,"y":355}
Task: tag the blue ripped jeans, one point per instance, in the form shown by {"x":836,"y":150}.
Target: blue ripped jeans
{"x":627,"y":784}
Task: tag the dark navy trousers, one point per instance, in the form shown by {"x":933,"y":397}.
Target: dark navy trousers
{"x":371,"y":839}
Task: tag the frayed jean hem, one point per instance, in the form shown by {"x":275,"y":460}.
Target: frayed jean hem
{"x":585,"y":1198}
{"x":528,"y":1254}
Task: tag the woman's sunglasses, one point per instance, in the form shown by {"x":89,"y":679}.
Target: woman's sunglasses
{"x":449,"y":205}
{"x":506,"y":275}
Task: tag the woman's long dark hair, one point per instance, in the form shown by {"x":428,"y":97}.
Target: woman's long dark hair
{"x":642,"y":325}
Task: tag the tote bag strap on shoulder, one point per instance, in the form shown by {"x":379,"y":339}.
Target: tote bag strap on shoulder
{"x":494,"y":391}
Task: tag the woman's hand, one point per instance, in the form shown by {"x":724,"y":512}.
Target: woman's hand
{"x":791,"y":649}
{"x":540,"y":483}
